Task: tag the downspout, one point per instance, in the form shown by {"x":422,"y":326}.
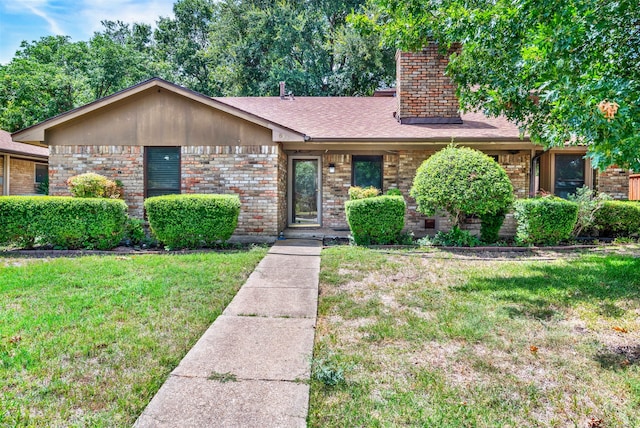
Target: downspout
{"x":6,"y":174}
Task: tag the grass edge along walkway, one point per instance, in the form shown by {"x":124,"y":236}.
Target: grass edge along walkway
{"x":88,"y":341}
{"x":445,"y":340}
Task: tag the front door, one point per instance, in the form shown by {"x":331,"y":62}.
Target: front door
{"x":304,"y":189}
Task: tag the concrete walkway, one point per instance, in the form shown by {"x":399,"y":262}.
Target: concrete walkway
{"x":250,"y":367}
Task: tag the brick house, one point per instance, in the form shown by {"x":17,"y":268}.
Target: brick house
{"x":293,"y":159}
{"x":23,"y":167}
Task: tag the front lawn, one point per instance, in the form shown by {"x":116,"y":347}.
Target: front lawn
{"x":88,"y":341}
{"x":438,"y":339}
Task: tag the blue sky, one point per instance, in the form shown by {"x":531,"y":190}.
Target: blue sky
{"x":32,"y":19}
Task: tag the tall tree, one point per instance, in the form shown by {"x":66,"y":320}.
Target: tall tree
{"x":42,"y":81}
{"x":245,"y":47}
{"x":567,"y":71}
{"x":120,"y":56}
{"x":52,"y":75}
{"x":183,"y":43}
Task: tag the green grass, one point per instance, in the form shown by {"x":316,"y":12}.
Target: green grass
{"x":442,"y":340}
{"x":88,"y":341}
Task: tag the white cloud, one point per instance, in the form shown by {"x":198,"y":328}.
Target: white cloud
{"x":128,"y":11}
{"x":39,"y":8}
{"x":79,"y":19}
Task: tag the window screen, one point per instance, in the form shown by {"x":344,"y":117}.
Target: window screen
{"x":569,"y":174}
{"x":367,"y":171}
{"x":42,"y":172}
{"x":162,"y":175}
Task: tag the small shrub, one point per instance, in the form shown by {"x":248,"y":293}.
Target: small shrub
{"x":618,"y":218}
{"x":377,"y":220}
{"x":134,"y":231}
{"x":92,"y":185}
{"x":624,"y":240}
{"x":545,"y":221}
{"x":461,"y":181}
{"x":328,"y":373}
{"x":62,"y":222}
{"x":192,"y":221}
{"x":357,"y":192}
{"x":393,"y":192}
{"x":490,"y":226}
{"x":43,"y":187}
{"x":456,"y":237}
{"x":588,"y":205}
{"x":426,"y":241}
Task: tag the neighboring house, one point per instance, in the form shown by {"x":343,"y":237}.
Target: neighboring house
{"x":23,"y":167}
{"x":293,"y":159}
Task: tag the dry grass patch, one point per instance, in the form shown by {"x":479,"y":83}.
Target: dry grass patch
{"x":440,"y":339}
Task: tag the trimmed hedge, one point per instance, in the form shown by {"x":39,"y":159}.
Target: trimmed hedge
{"x":193,"y":220}
{"x":618,"y":218}
{"x":63,"y":222}
{"x":377,"y":220}
{"x":545,"y":221}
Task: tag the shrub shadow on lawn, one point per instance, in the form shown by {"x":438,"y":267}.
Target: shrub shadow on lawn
{"x":615,"y":357}
{"x":605,"y":286}
{"x":541,"y":289}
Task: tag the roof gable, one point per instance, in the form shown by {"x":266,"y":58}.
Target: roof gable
{"x":300,"y":119}
{"x":36,"y":133}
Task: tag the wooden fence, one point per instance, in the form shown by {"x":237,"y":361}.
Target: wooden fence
{"x":634,"y":187}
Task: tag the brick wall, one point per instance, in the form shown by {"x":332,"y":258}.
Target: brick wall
{"x":518,"y":168}
{"x":335,"y":189}
{"x":399,"y":170}
{"x":613,"y":181}
{"x":22,"y":177}
{"x":422,"y":89}
{"x":122,"y":163}
{"x":408,"y":163}
{"x":1,"y":175}
{"x":252,"y":172}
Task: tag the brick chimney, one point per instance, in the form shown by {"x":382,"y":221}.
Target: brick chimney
{"x":424,"y":93}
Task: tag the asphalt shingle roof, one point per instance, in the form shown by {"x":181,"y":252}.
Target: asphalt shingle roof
{"x":9,"y":146}
{"x":365,"y":118}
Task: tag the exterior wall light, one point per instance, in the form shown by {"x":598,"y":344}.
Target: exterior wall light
{"x":332,"y":168}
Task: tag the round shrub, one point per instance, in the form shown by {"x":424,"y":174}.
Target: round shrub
{"x":377,"y":220}
{"x":62,"y":222}
{"x":194,"y":220}
{"x":618,"y":218}
{"x":545,"y":221}
{"x":461,"y":181}
{"x":92,"y":185}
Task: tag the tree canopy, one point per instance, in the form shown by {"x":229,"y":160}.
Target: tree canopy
{"x":567,"y":71}
{"x":219,"y":48}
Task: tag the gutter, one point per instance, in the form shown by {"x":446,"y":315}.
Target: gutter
{"x":399,"y":140}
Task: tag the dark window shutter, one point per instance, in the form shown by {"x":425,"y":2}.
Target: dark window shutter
{"x":162,"y":170}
